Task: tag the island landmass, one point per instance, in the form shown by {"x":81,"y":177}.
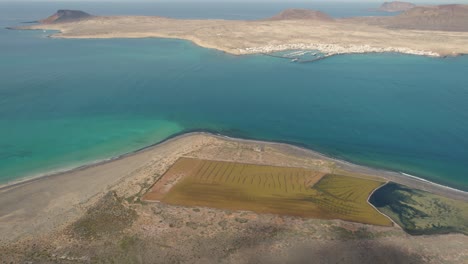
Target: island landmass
{"x":418,"y":31}
{"x":441,"y":18}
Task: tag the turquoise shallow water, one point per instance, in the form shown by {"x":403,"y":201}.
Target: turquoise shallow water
{"x":64,"y":103}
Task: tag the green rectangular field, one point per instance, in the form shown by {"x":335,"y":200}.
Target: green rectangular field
{"x":268,"y":189}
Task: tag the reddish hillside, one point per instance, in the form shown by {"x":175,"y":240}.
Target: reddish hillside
{"x":65,"y":16}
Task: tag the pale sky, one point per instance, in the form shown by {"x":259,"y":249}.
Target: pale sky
{"x":254,"y":1}
{"x":433,"y":2}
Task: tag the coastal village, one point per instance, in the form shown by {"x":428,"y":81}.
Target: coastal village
{"x":334,"y":49}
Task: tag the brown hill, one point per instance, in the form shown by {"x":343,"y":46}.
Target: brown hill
{"x":395,"y":6}
{"x":302,"y":14}
{"x":65,"y":16}
{"x":442,"y":17}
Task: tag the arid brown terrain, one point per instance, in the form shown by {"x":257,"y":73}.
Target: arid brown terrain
{"x":427,"y":30}
{"x":302,"y":14}
{"x":431,"y":18}
{"x":95,"y":215}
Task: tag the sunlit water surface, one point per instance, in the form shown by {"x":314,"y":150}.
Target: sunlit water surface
{"x":64,"y":103}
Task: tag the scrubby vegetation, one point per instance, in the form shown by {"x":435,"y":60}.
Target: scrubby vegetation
{"x":107,"y":217}
{"x":420,"y":212}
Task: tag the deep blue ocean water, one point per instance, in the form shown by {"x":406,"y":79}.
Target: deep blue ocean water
{"x":64,"y":103}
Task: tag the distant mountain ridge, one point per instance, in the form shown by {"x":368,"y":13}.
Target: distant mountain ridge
{"x":65,"y":16}
{"x":452,"y":17}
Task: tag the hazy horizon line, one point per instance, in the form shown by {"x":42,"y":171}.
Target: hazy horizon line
{"x":243,"y":1}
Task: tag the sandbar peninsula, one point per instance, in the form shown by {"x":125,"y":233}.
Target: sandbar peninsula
{"x":65,"y":217}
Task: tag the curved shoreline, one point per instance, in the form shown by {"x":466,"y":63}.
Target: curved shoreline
{"x":394,"y":176}
{"x":239,"y":37}
{"x":375,"y":208}
{"x":39,"y":176}
{"x":328,"y":49}
{"x":384,"y":173}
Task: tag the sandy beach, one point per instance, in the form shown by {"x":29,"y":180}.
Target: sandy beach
{"x":43,"y":211}
{"x":43,"y":204}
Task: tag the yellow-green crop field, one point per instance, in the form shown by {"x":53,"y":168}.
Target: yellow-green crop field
{"x":270,"y":189}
